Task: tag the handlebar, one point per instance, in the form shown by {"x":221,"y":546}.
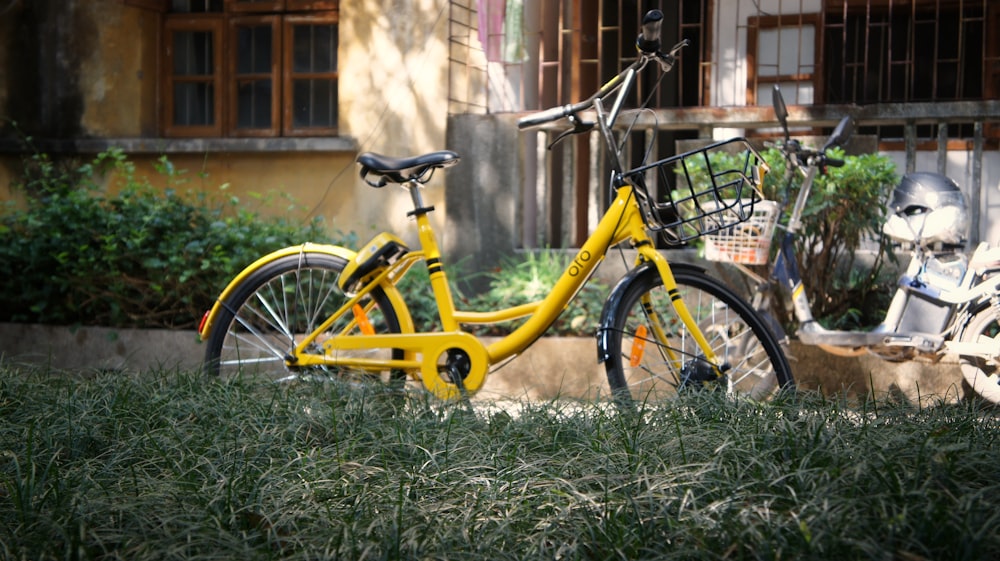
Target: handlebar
{"x":819,"y":158}
{"x":553,"y":114}
{"x":648,"y":45}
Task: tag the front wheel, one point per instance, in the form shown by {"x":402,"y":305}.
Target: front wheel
{"x":650,"y":355}
{"x":982,"y":374}
{"x":276,"y":306}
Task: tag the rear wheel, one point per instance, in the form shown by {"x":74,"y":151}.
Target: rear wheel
{"x":277,"y":305}
{"x":652,"y":356}
{"x":982,"y":374}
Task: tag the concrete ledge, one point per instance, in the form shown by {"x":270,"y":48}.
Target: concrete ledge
{"x":99,"y":348}
{"x":553,"y":367}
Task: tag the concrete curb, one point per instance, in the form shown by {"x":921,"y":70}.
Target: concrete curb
{"x":553,"y":367}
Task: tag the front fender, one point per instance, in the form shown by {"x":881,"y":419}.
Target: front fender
{"x":612,"y":306}
{"x":209,"y":319}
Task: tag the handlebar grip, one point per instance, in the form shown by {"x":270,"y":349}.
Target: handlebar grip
{"x":543,"y":117}
{"x":552,"y":114}
{"x":649,"y":39}
{"x":833,"y":162}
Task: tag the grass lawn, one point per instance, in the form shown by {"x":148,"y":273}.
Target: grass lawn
{"x":168,"y":465}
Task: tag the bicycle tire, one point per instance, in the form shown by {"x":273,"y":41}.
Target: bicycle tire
{"x":982,"y":375}
{"x":754,"y":363}
{"x":277,"y":305}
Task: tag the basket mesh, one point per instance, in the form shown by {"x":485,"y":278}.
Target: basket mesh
{"x":709,"y":189}
{"x":747,"y":242}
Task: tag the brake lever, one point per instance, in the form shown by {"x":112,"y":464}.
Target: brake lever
{"x":579,"y":127}
{"x":668,"y":59}
{"x":677,"y":48}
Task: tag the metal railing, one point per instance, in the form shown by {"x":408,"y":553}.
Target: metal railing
{"x":566,"y":188}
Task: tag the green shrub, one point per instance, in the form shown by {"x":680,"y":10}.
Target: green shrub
{"x":845,"y":210}
{"x":76,"y":254}
{"x":529,"y":277}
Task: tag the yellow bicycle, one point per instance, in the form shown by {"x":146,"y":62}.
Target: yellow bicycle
{"x":327,"y":310}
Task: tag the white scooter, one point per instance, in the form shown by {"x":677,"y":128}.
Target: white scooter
{"x":947,"y":302}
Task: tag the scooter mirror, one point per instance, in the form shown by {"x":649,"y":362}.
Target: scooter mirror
{"x":780,"y":111}
{"x":841,"y":134}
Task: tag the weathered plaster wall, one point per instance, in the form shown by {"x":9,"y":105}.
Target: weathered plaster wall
{"x":262,"y":181}
{"x":85,"y":69}
{"x":393,"y":91}
{"x":119,"y":86}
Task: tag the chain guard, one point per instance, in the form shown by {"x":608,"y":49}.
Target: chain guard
{"x":455,"y":368}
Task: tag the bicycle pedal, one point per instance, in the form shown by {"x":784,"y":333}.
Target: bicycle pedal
{"x":383,"y":250}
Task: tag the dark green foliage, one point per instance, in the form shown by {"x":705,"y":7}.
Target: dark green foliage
{"x":843,"y":215}
{"x":78,"y":254}
{"x":529,"y":277}
{"x":161,"y":466}
{"x":845,"y":209}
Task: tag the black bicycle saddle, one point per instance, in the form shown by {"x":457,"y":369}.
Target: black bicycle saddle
{"x":401,"y":170}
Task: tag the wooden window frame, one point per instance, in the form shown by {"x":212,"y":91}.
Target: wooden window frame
{"x":153,"y":5}
{"x":288,"y":77}
{"x":754,"y":26}
{"x":224,"y":79}
{"x":233,"y":78}
{"x":213,"y":24}
{"x":282,"y":6}
{"x":915,"y":11}
{"x":234,"y":6}
{"x":312,"y":5}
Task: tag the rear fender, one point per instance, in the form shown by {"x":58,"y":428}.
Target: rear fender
{"x":210,"y":316}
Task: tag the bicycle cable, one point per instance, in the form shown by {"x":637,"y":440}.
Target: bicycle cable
{"x":643,"y":107}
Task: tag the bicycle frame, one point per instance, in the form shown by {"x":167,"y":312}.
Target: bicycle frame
{"x":622,"y":222}
{"x":785,"y":269}
{"x":460,"y":356}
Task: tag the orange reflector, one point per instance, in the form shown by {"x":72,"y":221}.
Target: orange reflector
{"x":362,"y":318}
{"x":201,"y":324}
{"x":638,"y":346}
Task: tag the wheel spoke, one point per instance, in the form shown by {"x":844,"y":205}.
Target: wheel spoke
{"x":748,"y":353}
{"x":281,"y":304}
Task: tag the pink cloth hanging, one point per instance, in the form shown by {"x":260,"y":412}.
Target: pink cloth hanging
{"x":491,"y":16}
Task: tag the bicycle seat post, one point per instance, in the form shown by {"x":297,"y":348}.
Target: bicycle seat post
{"x":432,"y":255}
{"x":413,"y":186}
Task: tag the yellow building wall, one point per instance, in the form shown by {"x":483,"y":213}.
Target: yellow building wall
{"x":393,"y":65}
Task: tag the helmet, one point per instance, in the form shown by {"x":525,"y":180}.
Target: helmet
{"x":926,"y":208}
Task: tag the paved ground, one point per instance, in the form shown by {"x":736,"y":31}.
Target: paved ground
{"x":553,"y":367}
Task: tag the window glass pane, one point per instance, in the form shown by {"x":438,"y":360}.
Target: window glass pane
{"x":786,"y":50}
{"x":794,"y":93}
{"x":314,"y":48}
{"x":314,"y":103}
{"x":193,"y":53}
{"x":254,"y":100}
{"x":195,"y":6}
{"x":254,"y":49}
{"x":194,"y":104}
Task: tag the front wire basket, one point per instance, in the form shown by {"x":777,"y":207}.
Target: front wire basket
{"x":715,"y":187}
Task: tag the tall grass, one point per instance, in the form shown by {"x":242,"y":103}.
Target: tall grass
{"x":167,"y":465}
